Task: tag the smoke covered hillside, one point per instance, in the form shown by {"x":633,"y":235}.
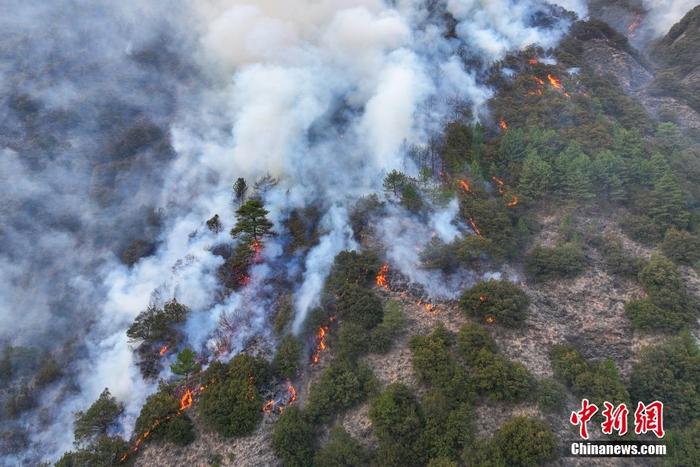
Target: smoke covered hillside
{"x":249,"y":232}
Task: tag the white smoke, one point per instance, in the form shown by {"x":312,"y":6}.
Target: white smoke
{"x":663,"y":14}
{"x":325,"y":95}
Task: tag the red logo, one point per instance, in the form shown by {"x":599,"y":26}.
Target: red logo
{"x":647,"y":418}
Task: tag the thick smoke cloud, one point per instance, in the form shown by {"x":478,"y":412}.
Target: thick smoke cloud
{"x":662,"y":14}
{"x":327,"y":96}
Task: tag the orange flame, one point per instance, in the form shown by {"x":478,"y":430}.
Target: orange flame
{"x":490,"y":319}
{"x":186,"y":400}
{"x":380,"y":279}
{"x":502,"y":124}
{"x":501,"y":185}
{"x":465,"y":186}
{"x":632,"y":28}
{"x":320,"y":344}
{"x":163,"y":350}
{"x":292,"y":393}
{"x":269,"y":405}
{"x":513,"y":202}
{"x":474,"y":227}
{"x":256,"y":246}
{"x":555,"y":82}
{"x":482,"y":298}
{"x":538,"y":81}
{"x":428,"y":307}
{"x":533,"y":61}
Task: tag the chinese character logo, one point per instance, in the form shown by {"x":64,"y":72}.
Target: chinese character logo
{"x":647,"y":418}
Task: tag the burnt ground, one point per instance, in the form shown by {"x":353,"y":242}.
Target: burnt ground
{"x":587,"y":311}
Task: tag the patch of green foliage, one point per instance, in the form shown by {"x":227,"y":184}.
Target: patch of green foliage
{"x":596,"y":381}
{"x":341,"y":449}
{"x":293,"y":438}
{"x":341,"y":386}
{"x":154,"y":324}
{"x":668,"y":372}
{"x":559,"y":262}
{"x":496,"y":301}
{"x":288,"y":357}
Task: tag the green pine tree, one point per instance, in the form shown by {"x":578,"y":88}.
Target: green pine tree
{"x":668,"y":205}
{"x":575,"y":181}
{"x":251,"y":221}
{"x":536,"y":177}
{"x":186,"y":364}
{"x":394,"y":182}
{"x":607,"y":172}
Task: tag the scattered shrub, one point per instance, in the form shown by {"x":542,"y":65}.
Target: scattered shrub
{"x":496,"y":377}
{"x":341,"y":449}
{"x":360,"y":305}
{"x":562,"y":261}
{"x":231,"y":407}
{"x":287,"y":359}
{"x":341,"y":386}
{"x":526,"y":441}
{"x":550,"y":396}
{"x":471,"y":339}
{"x":293,"y":438}
{"x":392,"y":325}
{"x":682,"y":247}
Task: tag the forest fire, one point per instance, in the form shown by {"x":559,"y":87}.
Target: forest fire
{"x":320,"y":344}
{"x":482,"y":298}
{"x":513,"y":202}
{"x":533,"y":61}
{"x":186,"y":400}
{"x":538,"y":81}
{"x":292,"y":393}
{"x":380,"y":278}
{"x":502,"y":124}
{"x":555,"y":82}
{"x":474,"y":227}
{"x":500,"y":184}
{"x":163,"y":350}
{"x":428,"y":307}
{"x":490,"y":319}
{"x":464,"y":184}
{"x":256,"y":247}
{"x":634,"y":25}
{"x":269,"y":406}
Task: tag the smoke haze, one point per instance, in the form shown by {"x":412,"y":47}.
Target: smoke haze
{"x":326,"y":96}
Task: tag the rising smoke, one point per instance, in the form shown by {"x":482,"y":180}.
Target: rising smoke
{"x":326,"y":96}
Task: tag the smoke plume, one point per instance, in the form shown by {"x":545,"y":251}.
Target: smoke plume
{"x":127,"y":122}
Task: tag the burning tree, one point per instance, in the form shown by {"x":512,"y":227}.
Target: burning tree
{"x":496,"y":302}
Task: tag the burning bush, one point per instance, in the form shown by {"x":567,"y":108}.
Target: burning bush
{"x":496,"y":301}
{"x":161,"y":419}
{"x":293,"y":438}
{"x":341,"y":386}
{"x":351,"y":267}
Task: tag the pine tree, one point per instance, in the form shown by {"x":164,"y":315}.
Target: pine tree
{"x":668,"y":206}
{"x":536,"y":177}
{"x":185,"y":364}
{"x":251,"y":221}
{"x":607,"y":170}
{"x":240,"y":187}
{"x":575,"y":174}
{"x":394,"y":182}
{"x":214,"y":224}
